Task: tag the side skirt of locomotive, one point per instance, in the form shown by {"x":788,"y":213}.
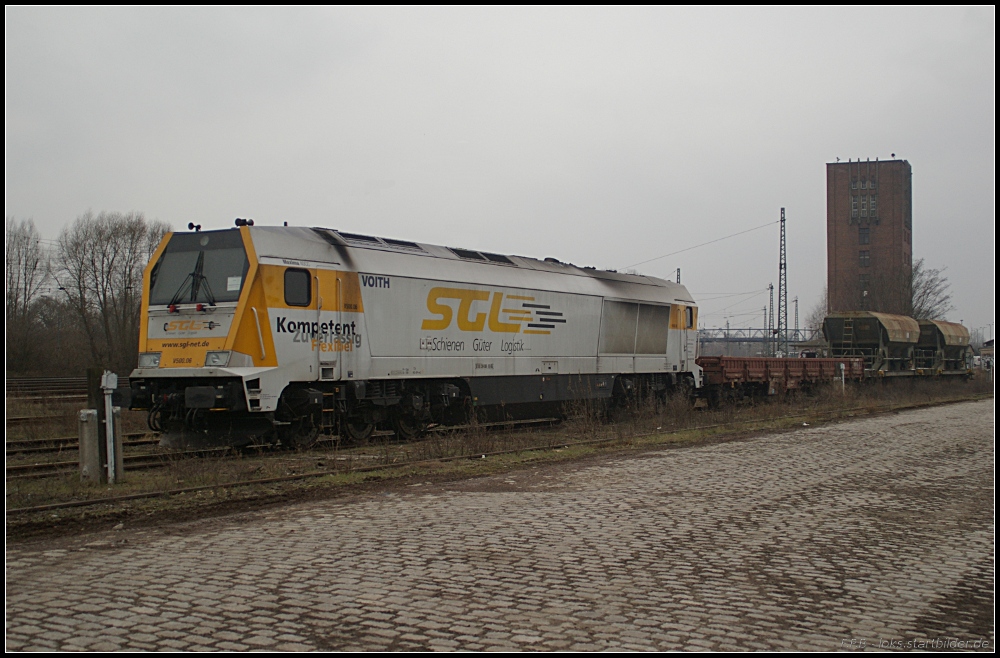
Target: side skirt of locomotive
{"x":354,"y":409}
{"x":200,"y":412}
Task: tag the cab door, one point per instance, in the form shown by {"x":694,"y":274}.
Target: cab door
{"x":689,"y":324}
{"x":328,"y":312}
{"x":338,"y":356}
{"x":319,"y":343}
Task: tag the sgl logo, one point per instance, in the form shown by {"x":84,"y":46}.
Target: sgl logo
{"x":507,"y":314}
{"x":190,"y":325}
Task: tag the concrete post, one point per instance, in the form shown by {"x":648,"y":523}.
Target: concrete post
{"x":93,"y":447}
{"x":91,"y":465}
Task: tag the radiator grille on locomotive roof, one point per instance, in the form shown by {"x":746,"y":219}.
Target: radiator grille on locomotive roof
{"x":362,"y":239}
{"x":468,"y":254}
{"x":465,"y":253}
{"x":402,"y":244}
{"x":497,"y":258}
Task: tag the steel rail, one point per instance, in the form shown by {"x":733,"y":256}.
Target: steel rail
{"x":133,"y":462}
{"x":60,"y":444}
{"x":835,"y":413}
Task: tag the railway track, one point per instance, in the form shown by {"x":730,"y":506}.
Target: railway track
{"x":364,"y":462}
{"x":46,"y":388}
{"x":18,"y":387}
{"x":64,"y":443}
{"x":131,"y":463}
{"x":20,"y":421}
{"x":154,"y":460}
{"x":340,"y":464}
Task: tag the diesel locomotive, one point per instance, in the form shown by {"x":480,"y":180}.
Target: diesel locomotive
{"x":258,"y":333}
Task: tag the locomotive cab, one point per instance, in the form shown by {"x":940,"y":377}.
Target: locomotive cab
{"x":190,"y":366}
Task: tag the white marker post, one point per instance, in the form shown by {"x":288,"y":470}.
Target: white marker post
{"x":109,"y":382}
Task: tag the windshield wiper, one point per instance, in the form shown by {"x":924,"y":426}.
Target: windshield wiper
{"x":210,"y":298}
{"x":196,"y":279}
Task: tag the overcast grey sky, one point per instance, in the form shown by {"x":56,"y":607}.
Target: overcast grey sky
{"x":602,"y":137}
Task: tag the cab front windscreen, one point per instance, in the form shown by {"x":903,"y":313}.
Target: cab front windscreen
{"x":208,"y":268}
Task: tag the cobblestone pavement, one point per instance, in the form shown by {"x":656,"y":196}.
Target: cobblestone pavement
{"x":873,"y":531}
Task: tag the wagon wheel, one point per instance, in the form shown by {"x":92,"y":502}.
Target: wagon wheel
{"x":407,"y":427}
{"x":714,"y":394}
{"x":357,"y":430}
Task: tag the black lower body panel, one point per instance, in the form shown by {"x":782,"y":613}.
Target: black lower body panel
{"x":528,"y":389}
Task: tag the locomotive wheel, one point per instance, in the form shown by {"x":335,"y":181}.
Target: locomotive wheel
{"x":303,"y":433}
{"x":460,"y":413}
{"x":407,"y":428}
{"x":358,"y":430}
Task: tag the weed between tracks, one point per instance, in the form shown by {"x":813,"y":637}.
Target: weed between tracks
{"x":586,"y":431}
{"x":58,"y":419}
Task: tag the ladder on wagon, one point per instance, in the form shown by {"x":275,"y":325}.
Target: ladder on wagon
{"x":848,"y":348}
{"x":847,"y":340}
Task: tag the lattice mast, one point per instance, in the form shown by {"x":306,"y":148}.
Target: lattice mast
{"x":770,"y":320}
{"x":782,"y":293}
{"x":796,"y":335}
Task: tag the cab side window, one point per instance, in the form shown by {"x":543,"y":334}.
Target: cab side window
{"x":297,"y":287}
{"x":689,"y":317}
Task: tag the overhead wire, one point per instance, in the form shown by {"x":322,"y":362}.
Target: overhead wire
{"x":742,"y":301}
{"x":722,"y":295}
{"x":733,"y":235}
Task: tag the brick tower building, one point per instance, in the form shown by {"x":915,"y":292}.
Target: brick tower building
{"x":869,"y":236}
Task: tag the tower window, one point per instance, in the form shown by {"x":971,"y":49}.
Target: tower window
{"x":864,"y":235}
{"x":865,"y":257}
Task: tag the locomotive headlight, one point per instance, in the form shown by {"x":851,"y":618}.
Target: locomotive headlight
{"x":149,"y":360}
{"x":217,"y":359}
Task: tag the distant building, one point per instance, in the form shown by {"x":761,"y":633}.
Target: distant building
{"x":869,"y":236}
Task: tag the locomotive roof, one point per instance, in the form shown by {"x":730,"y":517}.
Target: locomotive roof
{"x":371,"y":254}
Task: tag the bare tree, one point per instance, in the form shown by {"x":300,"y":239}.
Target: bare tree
{"x":99,"y":263}
{"x":25,"y":272}
{"x":931,"y":299}
{"x":816,"y":315}
{"x":59,"y":346}
{"x":976,"y":339}
{"x":886,"y":290}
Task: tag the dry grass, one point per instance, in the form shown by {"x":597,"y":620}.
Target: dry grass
{"x":60,"y":419}
{"x":642,"y":424}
